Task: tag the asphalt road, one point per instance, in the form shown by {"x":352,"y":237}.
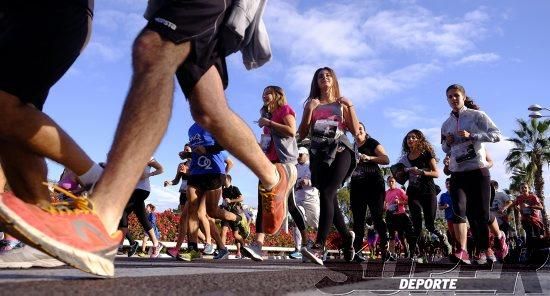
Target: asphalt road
{"x":165,"y":276}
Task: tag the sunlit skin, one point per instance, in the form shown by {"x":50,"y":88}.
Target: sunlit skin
{"x":324,"y":80}
{"x":412,"y":142}
{"x":456,"y":99}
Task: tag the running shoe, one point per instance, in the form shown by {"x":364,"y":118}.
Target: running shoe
{"x":190,"y":255}
{"x":9,"y":244}
{"x":244,"y":228}
{"x":143,"y":254}
{"x":156,"y":250}
{"x":120,"y":250}
{"x":274,"y":201}
{"x":133,"y":249}
{"x":419,"y":259}
{"x":358,"y":258}
{"x":222,"y":254}
{"x":25,"y":256}
{"x":253,"y":251}
{"x":348,"y":250}
{"x":295,"y":255}
{"x":480,"y":258}
{"x":314,"y":254}
{"x":68,"y":231}
{"x":491,"y":255}
{"x":460,"y":256}
{"x":173,"y":252}
{"x":238,"y":256}
{"x":502,"y":250}
{"x":208,"y":249}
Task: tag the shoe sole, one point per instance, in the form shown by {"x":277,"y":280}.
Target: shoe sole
{"x":47,"y":263}
{"x":311,"y":257}
{"x":100,"y":265}
{"x":250,"y":254}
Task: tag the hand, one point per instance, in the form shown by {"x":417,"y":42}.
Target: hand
{"x":313,"y":104}
{"x":447,"y":160}
{"x":200,"y":150}
{"x":364,"y":157}
{"x":526,"y":205}
{"x":264,"y":122}
{"x":449,"y":139}
{"x":464,"y":134}
{"x":345,"y":101}
{"x":226,"y":200}
{"x":167,"y":183}
{"x":415,"y":170}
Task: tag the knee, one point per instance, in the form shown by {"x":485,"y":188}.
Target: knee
{"x":150,"y":51}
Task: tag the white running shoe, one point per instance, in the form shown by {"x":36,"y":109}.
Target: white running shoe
{"x":27,"y":257}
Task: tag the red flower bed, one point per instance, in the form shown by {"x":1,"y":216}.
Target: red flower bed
{"x":168,"y":222}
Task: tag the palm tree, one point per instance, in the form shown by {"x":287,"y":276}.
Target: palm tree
{"x":530,"y":153}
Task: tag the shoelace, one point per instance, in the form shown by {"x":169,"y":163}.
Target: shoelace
{"x":267,"y":199}
{"x":78,"y":205}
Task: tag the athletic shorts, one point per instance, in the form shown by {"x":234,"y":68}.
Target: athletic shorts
{"x":39,"y":41}
{"x":230,"y":224}
{"x":206,"y":182}
{"x":196,"y":21}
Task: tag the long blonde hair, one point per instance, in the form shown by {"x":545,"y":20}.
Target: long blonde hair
{"x":279,"y":98}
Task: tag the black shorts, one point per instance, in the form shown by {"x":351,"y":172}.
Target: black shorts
{"x":230,"y":224}
{"x":196,"y":21}
{"x":38,"y":44}
{"x":206,"y":182}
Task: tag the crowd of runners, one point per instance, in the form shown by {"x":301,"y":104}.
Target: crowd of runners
{"x":187,"y":40}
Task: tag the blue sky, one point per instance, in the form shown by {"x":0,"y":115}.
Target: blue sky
{"x":394,"y":60}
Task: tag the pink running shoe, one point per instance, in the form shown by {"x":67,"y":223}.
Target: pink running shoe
{"x":460,"y":256}
{"x":502,"y":250}
{"x":70,"y":232}
{"x":173,"y":252}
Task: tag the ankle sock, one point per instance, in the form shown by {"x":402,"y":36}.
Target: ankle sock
{"x":92,"y":175}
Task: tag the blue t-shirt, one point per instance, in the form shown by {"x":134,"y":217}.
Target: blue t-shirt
{"x":153,"y":220}
{"x":205,"y":163}
{"x":445,"y":198}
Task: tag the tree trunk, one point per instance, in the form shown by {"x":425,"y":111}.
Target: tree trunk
{"x":539,"y":191}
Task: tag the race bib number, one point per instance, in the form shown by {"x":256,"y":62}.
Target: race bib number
{"x":265,"y":140}
{"x":325,"y":128}
{"x":463,"y":151}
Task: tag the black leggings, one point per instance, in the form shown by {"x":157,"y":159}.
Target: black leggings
{"x":295,"y":213}
{"x":422,"y":204}
{"x":136,"y":204}
{"x":328,"y":179}
{"x":368,"y":192}
{"x":471,"y":193}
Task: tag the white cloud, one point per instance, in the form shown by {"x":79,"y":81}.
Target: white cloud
{"x":417,"y":29}
{"x":479,"y":58}
{"x":163,"y":198}
{"x":114,"y":32}
{"x":328,"y":32}
{"x":353,"y":41}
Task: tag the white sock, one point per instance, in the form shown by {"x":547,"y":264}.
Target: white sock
{"x":92,"y":175}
